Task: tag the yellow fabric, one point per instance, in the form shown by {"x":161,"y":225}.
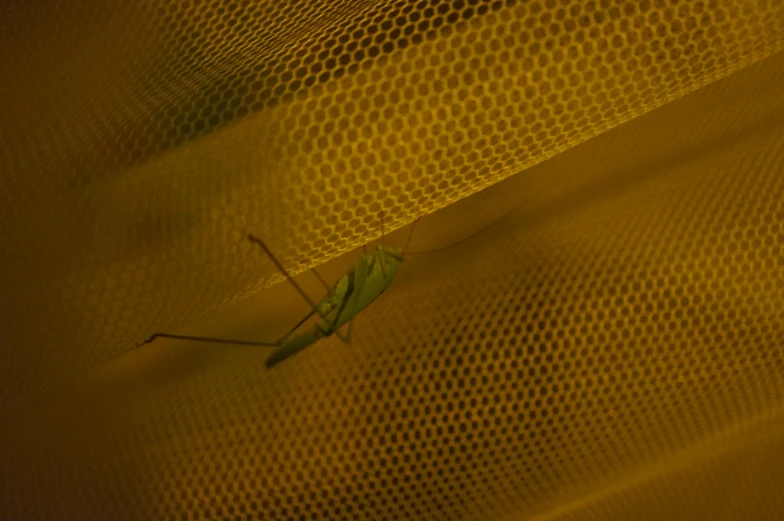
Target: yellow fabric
{"x":611,"y":348}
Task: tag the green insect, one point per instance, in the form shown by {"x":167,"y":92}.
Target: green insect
{"x":371,"y":275}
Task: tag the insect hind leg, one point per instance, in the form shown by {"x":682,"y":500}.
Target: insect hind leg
{"x":314,"y":307}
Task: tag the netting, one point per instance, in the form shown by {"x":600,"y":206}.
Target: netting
{"x":623,"y":322}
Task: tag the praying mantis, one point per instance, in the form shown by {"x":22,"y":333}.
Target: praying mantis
{"x":359,"y":287}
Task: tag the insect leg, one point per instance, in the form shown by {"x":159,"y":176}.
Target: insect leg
{"x":208,"y":339}
{"x":321,"y":279}
{"x":282,"y":340}
{"x":332,"y":326}
{"x":279,"y":342}
{"x":360,"y":276}
{"x":277,"y":263}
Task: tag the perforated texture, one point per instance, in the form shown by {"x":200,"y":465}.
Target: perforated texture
{"x":623,"y":323}
{"x":340,"y":111}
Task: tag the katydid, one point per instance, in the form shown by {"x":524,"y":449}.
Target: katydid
{"x":358,"y":288}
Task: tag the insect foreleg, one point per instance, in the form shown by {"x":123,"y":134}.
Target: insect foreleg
{"x":360,"y":276}
{"x":332,"y":325}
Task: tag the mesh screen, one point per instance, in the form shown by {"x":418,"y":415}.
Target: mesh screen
{"x":609,"y":349}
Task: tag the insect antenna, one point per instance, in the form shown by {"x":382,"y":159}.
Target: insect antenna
{"x":410,"y":234}
{"x":381,"y":257}
{"x":382,"y":229}
{"x":461,"y":241}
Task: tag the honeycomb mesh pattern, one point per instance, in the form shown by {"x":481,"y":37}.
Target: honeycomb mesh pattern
{"x":340,"y":112}
{"x":622,"y":324}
